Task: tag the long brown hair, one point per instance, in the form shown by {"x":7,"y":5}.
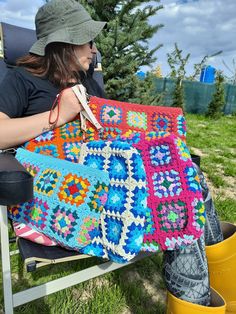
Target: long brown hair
{"x":60,"y":64}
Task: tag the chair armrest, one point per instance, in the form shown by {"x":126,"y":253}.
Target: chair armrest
{"x":16,"y":184}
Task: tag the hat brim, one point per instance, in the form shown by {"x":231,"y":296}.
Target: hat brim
{"x":76,"y":35}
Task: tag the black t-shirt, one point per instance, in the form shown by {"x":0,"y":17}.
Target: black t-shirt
{"x":23,"y":94}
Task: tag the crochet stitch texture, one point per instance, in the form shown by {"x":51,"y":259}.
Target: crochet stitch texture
{"x":175,"y":215}
{"x":125,"y":212}
{"x":68,"y":199}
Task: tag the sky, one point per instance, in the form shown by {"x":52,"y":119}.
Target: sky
{"x":199,"y":27}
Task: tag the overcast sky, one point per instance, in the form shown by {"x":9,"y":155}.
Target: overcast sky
{"x":199,"y":27}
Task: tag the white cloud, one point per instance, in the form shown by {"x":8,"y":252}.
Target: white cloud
{"x":199,"y":27}
{"x":19,"y":12}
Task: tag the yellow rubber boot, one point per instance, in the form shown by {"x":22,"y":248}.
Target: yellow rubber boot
{"x":178,"y":306}
{"x":221,"y":259}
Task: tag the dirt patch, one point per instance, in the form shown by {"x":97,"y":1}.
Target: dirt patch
{"x":227,"y":192}
{"x":198,"y":152}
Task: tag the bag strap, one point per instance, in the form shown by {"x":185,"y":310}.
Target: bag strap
{"x":87,"y":113}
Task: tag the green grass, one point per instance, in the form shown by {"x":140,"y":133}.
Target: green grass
{"x":139,"y":288}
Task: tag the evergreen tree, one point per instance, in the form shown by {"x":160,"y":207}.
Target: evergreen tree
{"x":177,"y":64}
{"x":145,"y":91}
{"x":124,"y":44}
{"x":178,"y":94}
{"x":218,"y":99}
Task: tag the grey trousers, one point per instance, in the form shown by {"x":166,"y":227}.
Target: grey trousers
{"x":185,"y":270}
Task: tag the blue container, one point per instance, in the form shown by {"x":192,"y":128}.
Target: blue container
{"x":208,"y":74}
{"x":141,"y":75}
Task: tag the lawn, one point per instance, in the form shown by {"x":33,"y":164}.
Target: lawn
{"x":139,"y":288}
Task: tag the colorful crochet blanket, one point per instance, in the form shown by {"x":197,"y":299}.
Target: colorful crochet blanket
{"x":68,"y":199}
{"x":125,"y":212}
{"x":117,"y":118}
{"x":174,"y":193}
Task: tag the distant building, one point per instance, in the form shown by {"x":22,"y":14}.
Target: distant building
{"x":158,"y":72}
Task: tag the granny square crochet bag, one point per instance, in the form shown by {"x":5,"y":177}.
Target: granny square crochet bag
{"x":125,"y":212}
{"x":174,"y":192}
{"x":68,"y":199}
{"x":116,"y":118}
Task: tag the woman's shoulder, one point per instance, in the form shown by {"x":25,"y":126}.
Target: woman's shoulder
{"x":19,"y":73}
{"x":32,"y":80}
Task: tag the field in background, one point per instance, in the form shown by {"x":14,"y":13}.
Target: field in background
{"x":139,"y":288}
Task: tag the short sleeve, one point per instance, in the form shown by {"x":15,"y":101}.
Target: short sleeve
{"x":13,"y":94}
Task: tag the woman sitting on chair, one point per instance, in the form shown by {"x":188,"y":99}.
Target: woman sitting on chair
{"x":63,"y":51}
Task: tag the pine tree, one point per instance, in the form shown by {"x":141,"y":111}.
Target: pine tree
{"x":218,"y":99}
{"x":124,"y":44}
{"x":178,"y":94}
{"x":145,"y":91}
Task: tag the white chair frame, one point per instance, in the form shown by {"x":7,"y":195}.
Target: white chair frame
{"x":12,"y":300}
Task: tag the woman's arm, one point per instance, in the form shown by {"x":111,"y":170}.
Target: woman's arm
{"x":16,"y":131}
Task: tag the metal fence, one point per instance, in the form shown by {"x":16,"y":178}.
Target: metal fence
{"x":197,"y":95}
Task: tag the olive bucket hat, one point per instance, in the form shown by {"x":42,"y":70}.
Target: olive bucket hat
{"x":64,"y":21}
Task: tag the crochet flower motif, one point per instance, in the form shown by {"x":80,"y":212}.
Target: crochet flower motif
{"x":111,"y":114}
{"x":15,"y":211}
{"x":35,"y":213}
{"x":99,"y":198}
{"x":63,"y":222}
{"x":47,"y":182}
{"x":150,"y":246}
{"x":139,"y":204}
{"x":117,"y":196}
{"x":199,"y":214}
{"x":110,"y":133}
{"x":182,"y":149}
{"x":181,"y":126}
{"x":138,"y":171}
{"x":88,"y":231}
{"x":72,"y":130}
{"x":173,"y":216}
{"x":113,"y":227}
{"x":160,"y":155}
{"x":155,"y":135}
{"x":134,"y":239}
{"x":73,"y":189}
{"x":166,"y":183}
{"x":162,"y":122}
{"x":192,"y":179}
{"x":137,"y":119}
{"x":175,"y":244}
{"x":72,"y":151}
{"x":49,"y":150}
{"x":94,"y":161}
{"x":118,"y":168}
{"x":94,"y":249}
{"x":32,"y":169}
{"x":89,"y":134}
{"x":47,"y":136}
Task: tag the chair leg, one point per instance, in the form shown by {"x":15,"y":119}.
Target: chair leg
{"x":6,"y":266}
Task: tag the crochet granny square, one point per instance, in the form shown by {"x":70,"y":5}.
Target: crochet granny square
{"x":124,"y":214}
{"x":174,"y":192}
{"x":68,"y":199}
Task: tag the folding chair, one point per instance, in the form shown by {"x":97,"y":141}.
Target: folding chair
{"x":16,"y":185}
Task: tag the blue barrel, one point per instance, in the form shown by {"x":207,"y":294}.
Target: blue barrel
{"x":208,"y":74}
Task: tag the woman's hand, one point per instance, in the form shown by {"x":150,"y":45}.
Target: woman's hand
{"x":67,"y":109}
